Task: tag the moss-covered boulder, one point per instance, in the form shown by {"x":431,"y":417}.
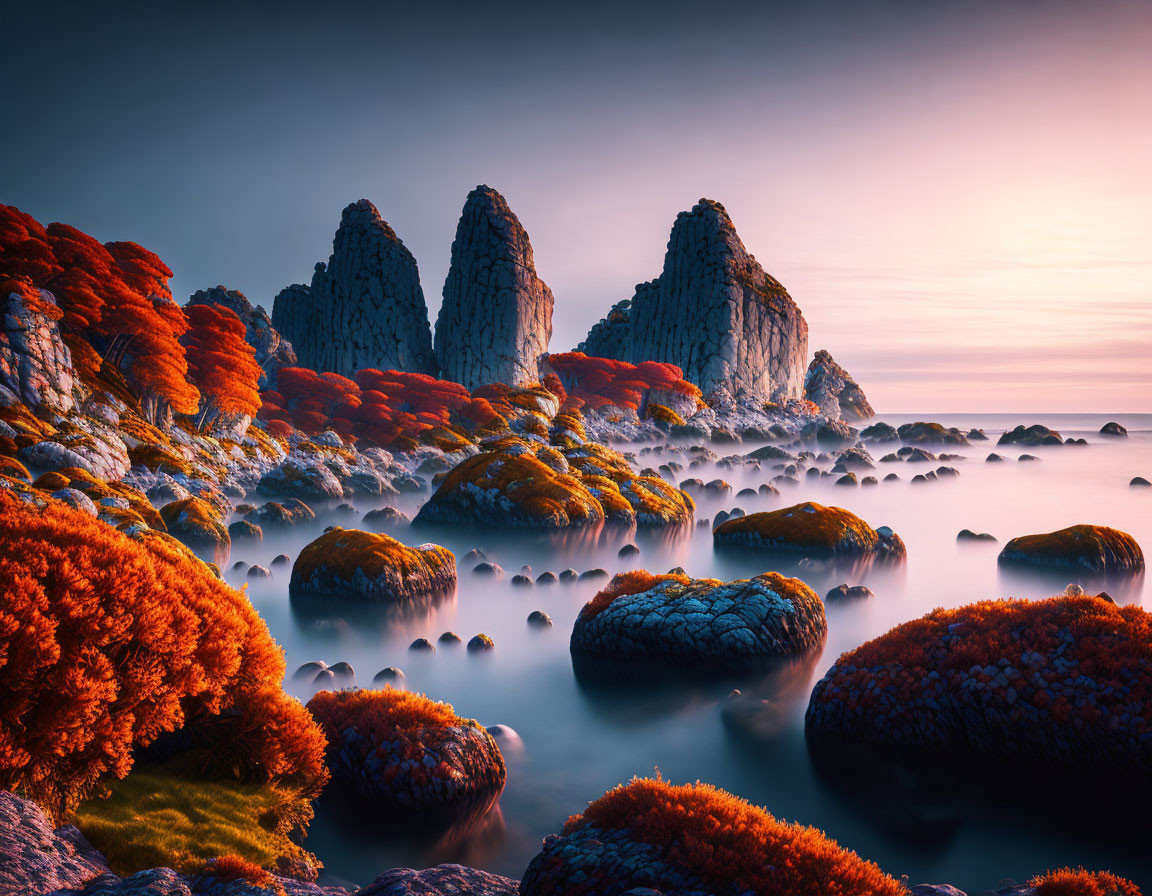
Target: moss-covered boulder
{"x":700,"y":623}
{"x":811,"y":530}
{"x":358,"y":565}
{"x":523,"y":484}
{"x":1095,"y":549}
{"x":408,"y":753}
{"x":1031,"y":436}
{"x":1066,"y":680}
{"x":196,"y":523}
{"x":922,"y":433}
{"x":694,"y":839}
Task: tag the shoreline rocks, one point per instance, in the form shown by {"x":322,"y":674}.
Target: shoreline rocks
{"x":828,"y":385}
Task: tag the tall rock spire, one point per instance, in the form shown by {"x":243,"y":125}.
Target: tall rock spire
{"x":496,"y":319}
{"x":364,"y":308}
{"x":714,"y":312}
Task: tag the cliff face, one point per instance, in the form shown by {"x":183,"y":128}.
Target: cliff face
{"x":828,"y":385}
{"x":714,"y":312}
{"x":273,"y":351}
{"x":496,"y":318}
{"x":35,"y":364}
{"x":364,"y":308}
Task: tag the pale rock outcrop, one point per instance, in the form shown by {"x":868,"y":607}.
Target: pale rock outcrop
{"x":365,"y":308}
{"x":713,"y":312}
{"x":496,"y":318}
{"x":273,"y":351}
{"x":829,"y":386}
{"x":35,"y":364}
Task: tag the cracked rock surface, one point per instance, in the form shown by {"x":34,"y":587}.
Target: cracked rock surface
{"x":496,"y":318}
{"x":365,"y":308}
{"x":829,"y":386}
{"x":714,"y":312}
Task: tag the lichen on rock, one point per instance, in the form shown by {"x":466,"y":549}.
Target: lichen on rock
{"x":812,"y":530}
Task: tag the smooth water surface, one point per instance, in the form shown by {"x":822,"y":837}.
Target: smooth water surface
{"x":580,"y":739}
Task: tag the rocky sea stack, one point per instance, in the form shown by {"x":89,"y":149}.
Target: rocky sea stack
{"x":1095,"y":549}
{"x":829,"y":386}
{"x":365,"y":308}
{"x":714,"y":313}
{"x":1066,"y":680}
{"x":811,"y":530}
{"x":496,"y":318}
{"x":700,"y":624}
{"x":349,"y":563}
{"x":693,"y":839}
{"x":405,"y":752}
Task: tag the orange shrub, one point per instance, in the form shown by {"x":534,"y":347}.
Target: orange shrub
{"x":632,"y":582}
{"x":1078,"y":882}
{"x":227,"y":869}
{"x":377,"y":715}
{"x":602,"y":381}
{"x":107,"y":643}
{"x":731,"y":845}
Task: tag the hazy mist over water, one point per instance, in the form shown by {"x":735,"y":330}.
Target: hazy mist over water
{"x":581,"y":739}
{"x":958,"y":195}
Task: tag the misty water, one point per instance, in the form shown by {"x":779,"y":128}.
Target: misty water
{"x":581,"y":737}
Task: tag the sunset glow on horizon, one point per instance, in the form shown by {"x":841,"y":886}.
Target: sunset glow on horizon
{"x":958,"y":198}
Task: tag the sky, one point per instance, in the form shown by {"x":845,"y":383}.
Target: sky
{"x":957,"y":194}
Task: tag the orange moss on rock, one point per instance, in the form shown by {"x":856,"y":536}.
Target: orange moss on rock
{"x":372,"y":566}
{"x":812,"y":529}
{"x":703,"y":834}
{"x":199,"y":525}
{"x":632,"y":582}
{"x":1093,"y":548}
{"x":159,"y":458}
{"x":1078,"y":882}
{"x":107,"y":643}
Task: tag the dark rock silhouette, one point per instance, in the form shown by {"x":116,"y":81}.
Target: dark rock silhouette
{"x":496,"y":318}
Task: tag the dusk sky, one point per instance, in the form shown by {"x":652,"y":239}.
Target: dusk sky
{"x":958,"y":195}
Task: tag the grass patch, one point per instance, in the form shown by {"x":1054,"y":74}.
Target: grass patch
{"x":153,"y":819}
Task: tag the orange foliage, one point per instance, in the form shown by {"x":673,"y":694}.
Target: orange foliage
{"x":602,"y":381}
{"x":312,"y":402}
{"x":1078,"y":882}
{"x":632,"y":582}
{"x":377,"y":715}
{"x":233,"y":868}
{"x":221,"y":363}
{"x":107,"y":643}
{"x":405,"y":405}
{"x":731,"y":845}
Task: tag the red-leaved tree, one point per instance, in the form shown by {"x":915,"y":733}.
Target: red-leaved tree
{"x":221,"y":364}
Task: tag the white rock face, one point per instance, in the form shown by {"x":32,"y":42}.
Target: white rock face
{"x":365,"y":308}
{"x":713,"y":312}
{"x":35,"y":364}
{"x":828,"y":385}
{"x":496,"y":319}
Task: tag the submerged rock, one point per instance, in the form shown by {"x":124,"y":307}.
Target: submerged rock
{"x":365,"y":308}
{"x":714,"y":313}
{"x":1040,"y":681}
{"x":442,"y":880}
{"x":1031,"y":436}
{"x":846,"y":592}
{"x":1091,"y":548}
{"x":829,"y":386}
{"x":969,"y":535}
{"x":700,"y":623}
{"x":812,"y":530}
{"x":1113,"y":429}
{"x":496,"y":318}
{"x":361,"y":565}
{"x":409,"y":754}
{"x":932,"y":434}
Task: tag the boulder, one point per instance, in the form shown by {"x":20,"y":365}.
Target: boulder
{"x":273,"y":351}
{"x":297,"y":478}
{"x":828,"y":386}
{"x":407,"y":754}
{"x":196,"y":523}
{"x":921,"y":433}
{"x":700,"y":624}
{"x":1049,"y":681}
{"x":1096,"y":549}
{"x":281,"y":515}
{"x":631,"y":840}
{"x":350,"y":563}
{"x":880,"y":432}
{"x":1113,"y":429}
{"x":811,"y":530}
{"x":365,"y":308}
{"x":442,"y":880}
{"x":714,"y":313}
{"x":496,"y":318}
{"x":35,"y":364}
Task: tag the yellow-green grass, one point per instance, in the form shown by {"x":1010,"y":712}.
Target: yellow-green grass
{"x":154,"y":818}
